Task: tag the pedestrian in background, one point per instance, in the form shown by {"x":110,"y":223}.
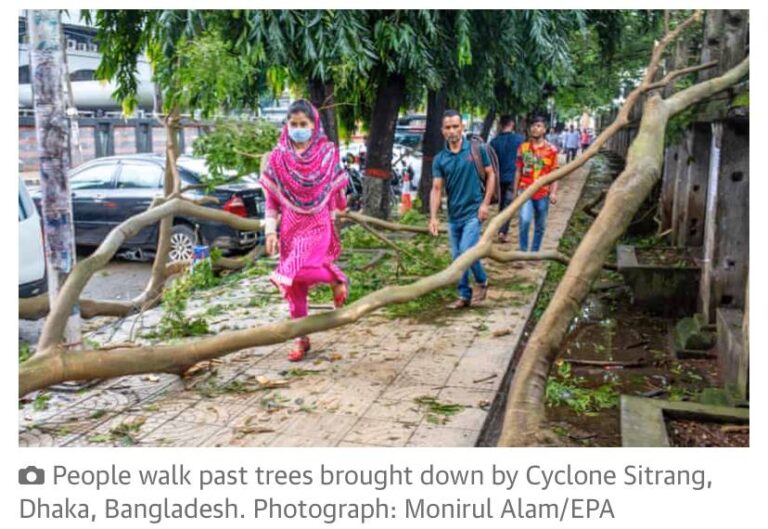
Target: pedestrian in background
{"x":571,"y":143}
{"x":506,"y":144}
{"x":536,"y":158}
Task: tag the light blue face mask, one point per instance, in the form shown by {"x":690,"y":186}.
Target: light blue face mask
{"x":300,"y":135}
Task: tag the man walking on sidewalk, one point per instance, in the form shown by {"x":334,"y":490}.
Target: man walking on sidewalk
{"x":468,"y":207}
{"x":572,"y":139}
{"x":505,"y":145}
{"x":536,"y":158}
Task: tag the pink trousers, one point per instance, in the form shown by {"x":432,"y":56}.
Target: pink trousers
{"x":297,"y":293}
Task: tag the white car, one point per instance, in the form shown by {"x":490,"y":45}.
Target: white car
{"x":32,"y":277}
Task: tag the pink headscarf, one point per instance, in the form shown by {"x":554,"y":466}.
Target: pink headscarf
{"x":304,"y":182}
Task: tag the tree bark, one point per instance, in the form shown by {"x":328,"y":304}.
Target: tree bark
{"x":322,"y":96}
{"x":171,"y":184}
{"x":431,"y":143}
{"x":52,"y":127}
{"x":525,"y":404}
{"x":390,"y":96}
{"x":488,"y":123}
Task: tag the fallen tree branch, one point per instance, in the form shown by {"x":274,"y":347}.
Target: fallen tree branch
{"x":551,"y":255}
{"x":674,"y":74}
{"x":84,"y":270}
{"x":383,"y":224}
{"x":525,"y":402}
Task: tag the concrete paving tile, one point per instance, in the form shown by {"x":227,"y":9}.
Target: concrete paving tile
{"x":406,"y":387}
{"x":443,"y":436}
{"x":111,"y":400}
{"x":429,"y":368}
{"x":178,"y":433}
{"x":285,"y":440}
{"x":379,"y":432}
{"x":468,"y":419}
{"x":324,"y":427}
{"x":465,"y":396}
{"x":477,"y":379}
{"x":211,"y":412}
{"x":395,"y":410}
{"x":231,"y":437}
{"x":34,"y":438}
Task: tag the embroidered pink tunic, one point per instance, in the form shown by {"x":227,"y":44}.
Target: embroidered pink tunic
{"x":305,"y":189}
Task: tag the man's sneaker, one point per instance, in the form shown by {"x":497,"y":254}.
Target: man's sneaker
{"x":460,"y":303}
{"x":481,"y":291}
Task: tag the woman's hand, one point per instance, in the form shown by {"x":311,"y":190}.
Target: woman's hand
{"x":272,"y":244}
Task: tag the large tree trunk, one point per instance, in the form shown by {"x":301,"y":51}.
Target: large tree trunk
{"x":52,"y":127}
{"x":390,"y":96}
{"x":525,"y":405}
{"x":488,"y":123}
{"x":431,"y":143}
{"x":321,"y":95}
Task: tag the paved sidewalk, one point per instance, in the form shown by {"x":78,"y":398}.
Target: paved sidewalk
{"x":379,"y":382}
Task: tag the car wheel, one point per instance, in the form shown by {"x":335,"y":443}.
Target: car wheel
{"x":183,"y":241}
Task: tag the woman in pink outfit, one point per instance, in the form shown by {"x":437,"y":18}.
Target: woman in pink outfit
{"x":304,"y":185}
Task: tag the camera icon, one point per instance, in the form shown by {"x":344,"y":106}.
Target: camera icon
{"x":31,"y":476}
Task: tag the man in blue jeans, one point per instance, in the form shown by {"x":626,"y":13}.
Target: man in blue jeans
{"x":536,"y":158}
{"x":505,"y":145}
{"x":455,"y":169}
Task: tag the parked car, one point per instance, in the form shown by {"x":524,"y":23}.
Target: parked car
{"x":107,"y":191}
{"x":32,"y":276}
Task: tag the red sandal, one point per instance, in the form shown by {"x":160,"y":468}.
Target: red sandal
{"x":301,"y":348}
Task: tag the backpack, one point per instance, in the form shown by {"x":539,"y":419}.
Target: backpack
{"x":476,"y":142}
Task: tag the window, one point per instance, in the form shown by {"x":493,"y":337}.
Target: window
{"x":140,"y":175}
{"x":82,"y":75}
{"x":98,"y":177}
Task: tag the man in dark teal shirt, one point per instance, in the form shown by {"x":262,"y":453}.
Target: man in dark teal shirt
{"x":454,"y":169}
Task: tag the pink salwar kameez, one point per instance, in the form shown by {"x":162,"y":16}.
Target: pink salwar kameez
{"x":305,"y":189}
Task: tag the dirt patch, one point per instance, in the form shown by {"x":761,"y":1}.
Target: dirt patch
{"x":665,"y":256}
{"x":697,"y":433}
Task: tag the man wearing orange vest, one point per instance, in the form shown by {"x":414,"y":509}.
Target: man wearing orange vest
{"x":535,"y":159}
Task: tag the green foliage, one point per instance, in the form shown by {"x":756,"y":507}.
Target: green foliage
{"x":41,"y":401}
{"x":24,"y":351}
{"x":235,"y":146}
{"x":124,"y":433}
{"x":174,"y":322}
{"x":566,"y":389}
{"x":358,"y":237}
{"x":414,"y":217}
{"x":437,"y":412}
{"x":209,"y":78}
{"x":678,"y":124}
{"x":425,"y":255}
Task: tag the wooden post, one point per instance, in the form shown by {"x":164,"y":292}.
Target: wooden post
{"x":726,"y":237}
{"x":707,"y":265}
{"x":681,"y":186}
{"x":691,"y":231}
{"x":668,"y":184}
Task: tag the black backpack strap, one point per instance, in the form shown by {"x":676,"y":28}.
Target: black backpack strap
{"x":477,"y":157}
